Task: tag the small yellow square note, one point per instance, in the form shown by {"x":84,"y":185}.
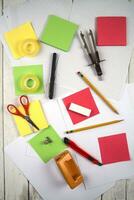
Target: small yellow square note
{"x":37,"y":116}
{"x":17,"y":36}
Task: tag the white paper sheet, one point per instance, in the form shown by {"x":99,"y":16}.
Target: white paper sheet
{"x":88,"y":139}
{"x":84,"y":13}
{"x":115,"y":70}
{"x":105,"y":113}
{"x":37,"y":12}
{"x":93,"y":175}
{"x":46,"y":178}
{"x":115,"y":67}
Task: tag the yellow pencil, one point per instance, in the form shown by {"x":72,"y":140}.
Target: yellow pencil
{"x":98,"y":92}
{"x":94,"y":126}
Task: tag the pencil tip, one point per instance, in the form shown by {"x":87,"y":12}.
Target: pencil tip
{"x":117,"y":112}
{"x":79,"y":73}
{"x":66,"y":140}
{"x":67,"y":132}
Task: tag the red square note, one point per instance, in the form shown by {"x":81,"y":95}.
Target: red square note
{"x":111,"y":31}
{"x":83,"y":98}
{"x":114,"y":148}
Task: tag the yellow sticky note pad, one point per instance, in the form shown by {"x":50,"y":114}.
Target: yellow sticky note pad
{"x":37,"y":116}
{"x":19,"y":36}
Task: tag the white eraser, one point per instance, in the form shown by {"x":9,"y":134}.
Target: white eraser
{"x":79,"y":109}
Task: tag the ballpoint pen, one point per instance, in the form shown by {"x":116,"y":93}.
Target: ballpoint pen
{"x":82,"y":152}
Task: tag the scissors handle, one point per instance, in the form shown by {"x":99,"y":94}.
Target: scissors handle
{"x":14,"y":111}
{"x":25,"y":103}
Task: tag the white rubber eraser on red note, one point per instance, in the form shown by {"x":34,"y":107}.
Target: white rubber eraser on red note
{"x":79,"y":109}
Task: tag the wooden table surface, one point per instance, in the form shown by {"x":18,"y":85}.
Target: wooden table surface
{"x":13,"y":185}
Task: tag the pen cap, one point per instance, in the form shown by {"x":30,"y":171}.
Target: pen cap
{"x":66,"y":140}
{"x":69,"y":169}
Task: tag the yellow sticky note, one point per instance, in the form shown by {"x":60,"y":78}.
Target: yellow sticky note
{"x":17,"y":36}
{"x":37,"y":116}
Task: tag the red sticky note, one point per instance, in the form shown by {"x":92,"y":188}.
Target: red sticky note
{"x":83,"y":98}
{"x":111,"y":31}
{"x":114,"y":148}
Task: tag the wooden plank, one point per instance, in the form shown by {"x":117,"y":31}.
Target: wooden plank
{"x":99,"y":198}
{"x":21,"y":189}
{"x":33,"y":194}
{"x":13,"y":2}
{"x":1,"y":124}
{"x":130,"y":189}
{"x":16,"y":186}
{"x":109,"y":195}
{"x":131,"y":69}
{"x":120,"y":189}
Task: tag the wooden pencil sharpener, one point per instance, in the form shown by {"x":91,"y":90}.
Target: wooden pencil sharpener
{"x":69,"y":169}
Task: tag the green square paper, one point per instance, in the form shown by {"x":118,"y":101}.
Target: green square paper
{"x":21,"y":71}
{"x":59,"y":32}
{"x":47,"y":151}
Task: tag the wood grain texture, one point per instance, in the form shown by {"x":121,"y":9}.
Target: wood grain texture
{"x":13,"y":185}
{"x":16,"y":186}
{"x":1,"y":124}
{"x":120,"y":190}
{"x":131,"y":69}
{"x":99,"y":198}
{"x":33,"y":195}
{"x":109,"y":195}
{"x":130,"y":189}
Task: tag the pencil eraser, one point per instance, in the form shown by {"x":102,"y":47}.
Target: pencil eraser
{"x":111,"y":31}
{"x":79,"y":109}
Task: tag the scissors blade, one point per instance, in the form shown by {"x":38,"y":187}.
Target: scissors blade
{"x":27,"y":118}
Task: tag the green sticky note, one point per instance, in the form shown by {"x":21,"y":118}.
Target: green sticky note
{"x":49,"y":150}
{"x":59,"y":32}
{"x":23,"y":72}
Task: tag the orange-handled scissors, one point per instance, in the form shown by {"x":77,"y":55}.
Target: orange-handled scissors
{"x":24,"y":101}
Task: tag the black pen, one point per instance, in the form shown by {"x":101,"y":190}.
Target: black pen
{"x":52,"y":78}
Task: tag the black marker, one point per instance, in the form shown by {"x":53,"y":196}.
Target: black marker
{"x":52,"y":78}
